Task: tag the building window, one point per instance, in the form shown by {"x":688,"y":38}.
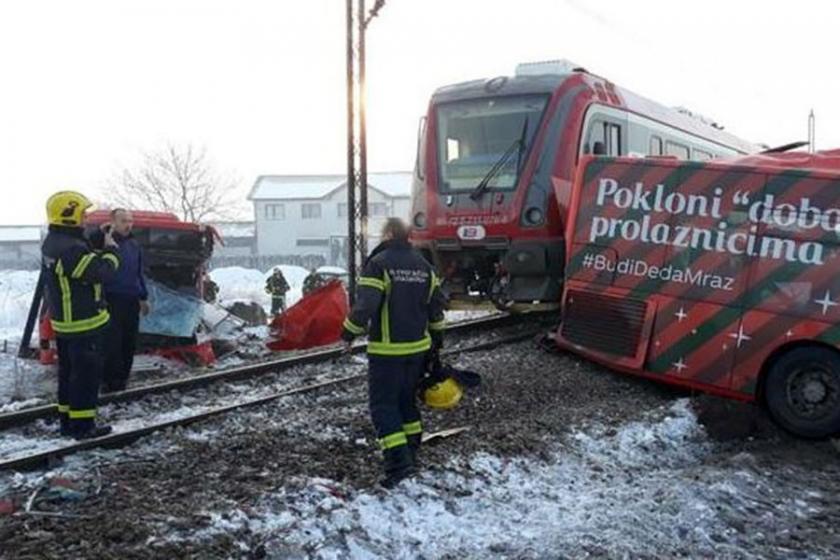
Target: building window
{"x":313,"y":242}
{"x":678,"y":150}
{"x":375,"y":209}
{"x":310,"y":210}
{"x":655,"y":146}
{"x":274,"y":212}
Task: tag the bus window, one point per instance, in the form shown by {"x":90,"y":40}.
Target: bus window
{"x":678,"y":150}
{"x":655,"y":146}
{"x":702,"y":155}
{"x":612,"y":132}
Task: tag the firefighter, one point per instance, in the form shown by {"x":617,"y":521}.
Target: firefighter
{"x":127,"y":300}
{"x":277,"y":287}
{"x":74,"y":275}
{"x":312,"y":282}
{"x":399,"y":297}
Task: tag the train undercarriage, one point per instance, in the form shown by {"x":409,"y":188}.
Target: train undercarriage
{"x":516,"y":276}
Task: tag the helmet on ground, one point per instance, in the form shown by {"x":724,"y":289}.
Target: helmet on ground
{"x":446,"y":394}
{"x":67,"y":208}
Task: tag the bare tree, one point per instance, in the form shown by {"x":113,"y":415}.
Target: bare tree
{"x":177,"y":179}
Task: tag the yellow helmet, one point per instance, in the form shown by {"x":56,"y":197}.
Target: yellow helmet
{"x":446,"y":394}
{"x":67,"y":208}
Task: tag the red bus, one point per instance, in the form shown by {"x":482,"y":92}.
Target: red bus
{"x":721,"y":277}
{"x":495,"y":164}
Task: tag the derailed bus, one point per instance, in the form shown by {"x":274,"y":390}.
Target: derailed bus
{"x":719,"y":276}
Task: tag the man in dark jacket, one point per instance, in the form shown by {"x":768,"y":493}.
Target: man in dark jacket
{"x":399,"y":296}
{"x":276,"y":286}
{"x":73,"y":275}
{"x":127,"y":299}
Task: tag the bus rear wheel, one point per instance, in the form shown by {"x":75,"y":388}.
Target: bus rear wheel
{"x":803,"y":391}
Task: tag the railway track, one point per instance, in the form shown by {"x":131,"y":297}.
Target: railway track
{"x":30,"y":414}
{"x":44,"y":457}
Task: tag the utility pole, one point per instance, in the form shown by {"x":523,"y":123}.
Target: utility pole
{"x":357,"y":130}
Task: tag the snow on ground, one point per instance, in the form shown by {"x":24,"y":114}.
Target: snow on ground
{"x":16,"y":290}
{"x":640,"y":490}
{"x":247,"y":284}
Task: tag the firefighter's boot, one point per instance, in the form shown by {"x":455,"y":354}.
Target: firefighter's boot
{"x":414,"y":447}
{"x":92,"y":431}
{"x":64,"y":424}
{"x":398,"y":466}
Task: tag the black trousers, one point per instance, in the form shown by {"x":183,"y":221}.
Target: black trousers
{"x":80,"y":363}
{"x":392,"y":394}
{"x":278,"y":304}
{"x":121,"y":340}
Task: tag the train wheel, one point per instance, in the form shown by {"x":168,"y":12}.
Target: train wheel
{"x":803,"y":391}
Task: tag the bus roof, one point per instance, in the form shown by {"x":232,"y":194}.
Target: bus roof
{"x":824,"y":160}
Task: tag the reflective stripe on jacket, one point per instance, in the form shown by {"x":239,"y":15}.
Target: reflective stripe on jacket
{"x":399,"y":296}
{"x":74,"y":275}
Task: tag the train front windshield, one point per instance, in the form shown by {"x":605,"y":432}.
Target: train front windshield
{"x":486,"y":140}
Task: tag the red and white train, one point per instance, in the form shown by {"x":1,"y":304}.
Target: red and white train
{"x":495,"y":164}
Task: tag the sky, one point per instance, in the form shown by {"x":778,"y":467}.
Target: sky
{"x":86,"y":86}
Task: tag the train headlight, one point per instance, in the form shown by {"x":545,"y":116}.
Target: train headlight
{"x":534,"y":216}
{"x":420,"y":220}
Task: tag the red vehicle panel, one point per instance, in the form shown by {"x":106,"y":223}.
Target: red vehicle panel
{"x":721,"y":276}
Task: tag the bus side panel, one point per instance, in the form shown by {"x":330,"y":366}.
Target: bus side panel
{"x":692,"y":343}
{"x":799,"y":248}
{"x":794,"y":292}
{"x":763,"y":334}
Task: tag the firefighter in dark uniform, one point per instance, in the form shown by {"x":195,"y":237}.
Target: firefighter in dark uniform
{"x":74,"y":274}
{"x":276,"y":286}
{"x":400,"y":297}
{"x":312,"y":282}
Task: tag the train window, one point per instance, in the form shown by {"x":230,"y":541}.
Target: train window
{"x":479,"y":135}
{"x":274,"y":212}
{"x":612,"y":132}
{"x":655,"y":146}
{"x":702,"y":155}
{"x":678,"y":150}
{"x":453,"y":149}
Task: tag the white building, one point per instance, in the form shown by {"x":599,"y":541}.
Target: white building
{"x":305,"y":216}
{"x":20,"y":246}
{"x":238,"y":242}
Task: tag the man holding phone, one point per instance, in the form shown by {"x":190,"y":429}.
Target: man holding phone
{"x":127,"y":298}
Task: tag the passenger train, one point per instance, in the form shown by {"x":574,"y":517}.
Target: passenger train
{"x":494,"y":167}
